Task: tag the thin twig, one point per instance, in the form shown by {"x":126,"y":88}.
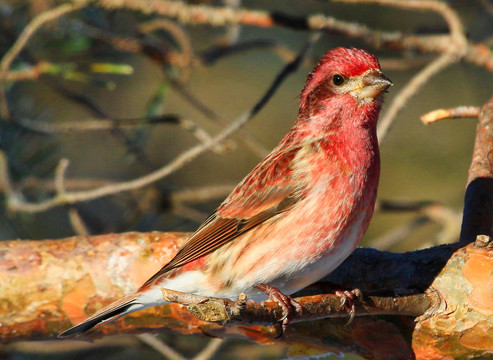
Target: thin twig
{"x":189,"y":213}
{"x":30,"y":73}
{"x":454,"y":52}
{"x":449,"y":15}
{"x":210,"y":349}
{"x":14,"y":203}
{"x":24,"y":37}
{"x":201,"y":194}
{"x":110,"y":124}
{"x":398,"y":234}
{"x":411,"y":88}
{"x":185,"y":59}
{"x":167,"y":351}
{"x":77,"y":223}
{"x":248,"y":139}
{"x":60,"y":171}
{"x":222,"y":16}
{"x":452,"y":113}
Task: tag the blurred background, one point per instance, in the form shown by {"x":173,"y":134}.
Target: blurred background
{"x":202,"y":78}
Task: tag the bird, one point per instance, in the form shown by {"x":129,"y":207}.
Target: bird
{"x":299,"y":213}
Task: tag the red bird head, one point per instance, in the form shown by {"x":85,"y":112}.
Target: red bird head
{"x":343,"y":80}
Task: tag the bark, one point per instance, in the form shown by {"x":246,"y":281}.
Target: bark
{"x":429,"y":304}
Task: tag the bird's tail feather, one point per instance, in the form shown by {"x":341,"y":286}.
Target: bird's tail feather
{"x":121,"y":307}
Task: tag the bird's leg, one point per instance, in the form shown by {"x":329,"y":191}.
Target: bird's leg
{"x":286,"y":302}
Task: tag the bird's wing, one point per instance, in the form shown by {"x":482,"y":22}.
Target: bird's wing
{"x":267,"y":191}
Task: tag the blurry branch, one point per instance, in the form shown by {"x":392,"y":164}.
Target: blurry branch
{"x":77,"y":223}
{"x":232,"y":34}
{"x":185,"y":58}
{"x":201,"y":194}
{"x":223,"y":16}
{"x":452,"y":113}
{"x":457,"y":46}
{"x":398,"y":234}
{"x":164,"y":57}
{"x":110,"y":124}
{"x":426,"y":212}
{"x":410,"y":89}
{"x":248,"y":139}
{"x":216,"y":52}
{"x":442,"y":8}
{"x":22,"y":40}
{"x":456,"y":50}
{"x":160,"y":346}
{"x":15,"y":201}
{"x":171,"y":354}
{"x":31,"y":73}
{"x":209,"y":350}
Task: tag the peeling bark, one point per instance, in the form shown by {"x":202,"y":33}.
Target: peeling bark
{"x":46,"y":286}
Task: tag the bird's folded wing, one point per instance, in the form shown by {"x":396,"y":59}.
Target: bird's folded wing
{"x":267,"y":191}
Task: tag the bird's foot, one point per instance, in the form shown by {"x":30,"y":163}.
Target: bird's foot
{"x":347,"y":298}
{"x":286,"y":302}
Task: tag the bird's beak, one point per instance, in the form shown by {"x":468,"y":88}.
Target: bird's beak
{"x":373,"y":84}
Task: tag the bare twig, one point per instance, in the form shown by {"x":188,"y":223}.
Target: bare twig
{"x":456,"y":50}
{"x":110,"y":124}
{"x":77,"y":223}
{"x":167,"y":351}
{"x":411,"y":88}
{"x":398,"y":234}
{"x":14,"y":203}
{"x":24,"y":37}
{"x":201,"y":194}
{"x":210,"y":349}
{"x":185,"y":59}
{"x":449,"y":15}
{"x":452,"y":113}
{"x":31,"y":73}
{"x":221,"y":16}
{"x":248,"y":139}
{"x":426,"y":211}
{"x":189,"y":213}
{"x":60,"y":176}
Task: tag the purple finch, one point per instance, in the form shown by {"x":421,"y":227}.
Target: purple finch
{"x":299,"y":213}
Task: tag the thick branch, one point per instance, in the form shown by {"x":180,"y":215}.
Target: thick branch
{"x":46,"y":286}
{"x":478,"y":203}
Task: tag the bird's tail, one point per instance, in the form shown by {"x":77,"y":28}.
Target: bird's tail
{"x":113,"y":311}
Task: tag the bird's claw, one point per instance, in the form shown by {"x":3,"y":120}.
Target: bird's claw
{"x":286,"y":302}
{"x":347,"y":298}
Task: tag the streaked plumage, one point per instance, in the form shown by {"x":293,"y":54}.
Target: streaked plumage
{"x":300,"y":212}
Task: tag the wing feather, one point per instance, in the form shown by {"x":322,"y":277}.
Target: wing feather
{"x":264,"y":193}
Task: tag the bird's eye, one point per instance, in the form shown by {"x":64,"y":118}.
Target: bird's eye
{"x":338,"y":80}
